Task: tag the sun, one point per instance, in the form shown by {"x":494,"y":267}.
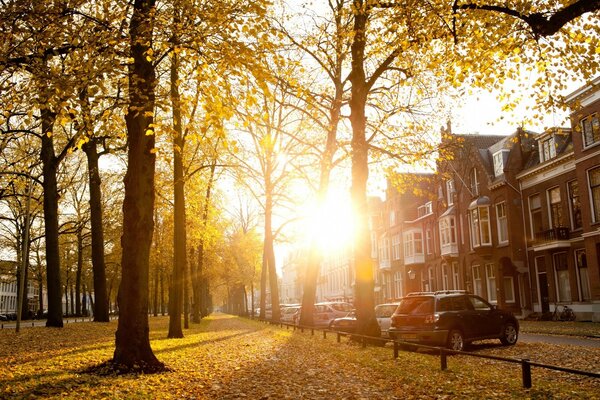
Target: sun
{"x":331,"y":224}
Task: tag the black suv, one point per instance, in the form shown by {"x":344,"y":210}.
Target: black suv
{"x":452,"y":319}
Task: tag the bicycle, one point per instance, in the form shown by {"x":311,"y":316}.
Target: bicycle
{"x":566,"y":314}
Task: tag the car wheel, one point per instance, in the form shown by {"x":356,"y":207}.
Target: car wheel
{"x":509,"y":334}
{"x":456,"y":340}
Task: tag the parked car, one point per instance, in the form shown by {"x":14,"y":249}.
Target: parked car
{"x":383,"y":313}
{"x":288,"y":314}
{"x":324,"y":313}
{"x":451,"y":318}
{"x":344,"y":324}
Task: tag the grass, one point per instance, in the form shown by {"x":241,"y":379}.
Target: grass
{"x":230,"y":358}
{"x":568,"y":328}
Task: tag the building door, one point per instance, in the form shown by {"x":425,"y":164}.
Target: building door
{"x":540,"y":266}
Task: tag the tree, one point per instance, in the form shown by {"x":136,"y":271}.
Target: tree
{"x":132,"y":345}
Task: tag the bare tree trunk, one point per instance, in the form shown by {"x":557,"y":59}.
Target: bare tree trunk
{"x":132,"y":345}
{"x":155,"y":302}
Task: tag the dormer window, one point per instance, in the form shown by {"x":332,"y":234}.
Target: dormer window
{"x":450,"y":191}
{"x":474,"y":183}
{"x":547,"y":148}
{"x":499,"y":159}
{"x":425,"y":209}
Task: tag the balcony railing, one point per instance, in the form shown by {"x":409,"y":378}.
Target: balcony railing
{"x":551,"y":235}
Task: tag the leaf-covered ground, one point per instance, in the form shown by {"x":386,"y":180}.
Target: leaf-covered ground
{"x":568,"y":328}
{"x":231,"y":358}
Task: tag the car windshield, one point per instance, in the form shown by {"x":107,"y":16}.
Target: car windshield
{"x":342,"y":307}
{"x":416,"y":305}
{"x":385,"y":311}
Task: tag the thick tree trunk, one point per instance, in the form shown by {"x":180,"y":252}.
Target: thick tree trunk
{"x":364,"y":289}
{"x":98,"y":266}
{"x":132,"y":345}
{"x":49,"y":167}
{"x":179,"y":231}
{"x":309,"y":290}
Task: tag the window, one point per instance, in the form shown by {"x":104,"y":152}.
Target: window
{"x":413,"y":244}
{"x":490,"y":276}
{"x":583,"y":280}
{"x":554,"y":207}
{"x":448,"y":230}
{"x":499,"y":163}
{"x":425,"y":209}
{"x":594,"y":178}
{"x":429,"y":241}
{"x":445,"y":280}
{"x":474,"y":183}
{"x":384,"y":252}
{"x":396,"y":247}
{"x":480,"y":226}
{"x":561,"y":274}
{"x":509,"y":289}
{"x":574,"y":205}
{"x":477,"y":287}
{"x":502,"y":222}
{"x":535,"y":214}
{"x":450,"y":191}
{"x":398,"y":284}
{"x":590,"y":129}
{"x":455,"y":276}
{"x":547,"y":149}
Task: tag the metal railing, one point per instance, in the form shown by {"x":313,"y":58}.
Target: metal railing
{"x":443,"y":352}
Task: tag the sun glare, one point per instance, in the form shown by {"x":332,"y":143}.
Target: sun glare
{"x":331,"y":224}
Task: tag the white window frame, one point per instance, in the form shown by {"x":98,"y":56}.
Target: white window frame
{"x":491,"y":284}
{"x":447,"y":230}
{"x":428,"y":241}
{"x":474,"y":182}
{"x":455,"y":276}
{"x":445,"y":279}
{"x":481,"y":227}
{"x":547,"y":148}
{"x":594,"y":193}
{"x":583,"y":278}
{"x":498,"y":159}
{"x":574,"y":199}
{"x":450,"y":191}
{"x":502,"y":222}
{"x":413,"y":240}
{"x":538,"y":209}
{"x":562,"y":279}
{"x":398,"y":284}
{"x":551,"y":203}
{"x":591,"y":121}
{"x":508,"y":281}
{"x":396,"y":242}
{"x":477,"y":283}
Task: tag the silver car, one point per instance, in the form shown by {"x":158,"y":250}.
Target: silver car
{"x":383,"y":313}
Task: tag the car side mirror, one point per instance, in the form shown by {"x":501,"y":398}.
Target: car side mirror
{"x":494,"y":307}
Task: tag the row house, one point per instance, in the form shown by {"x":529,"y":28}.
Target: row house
{"x":561,"y":188}
{"x":514,"y":219}
{"x":462,"y":228}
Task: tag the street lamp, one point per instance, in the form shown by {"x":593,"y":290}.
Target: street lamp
{"x":412,"y":274}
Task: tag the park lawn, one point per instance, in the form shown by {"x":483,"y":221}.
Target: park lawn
{"x":228,"y":357}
